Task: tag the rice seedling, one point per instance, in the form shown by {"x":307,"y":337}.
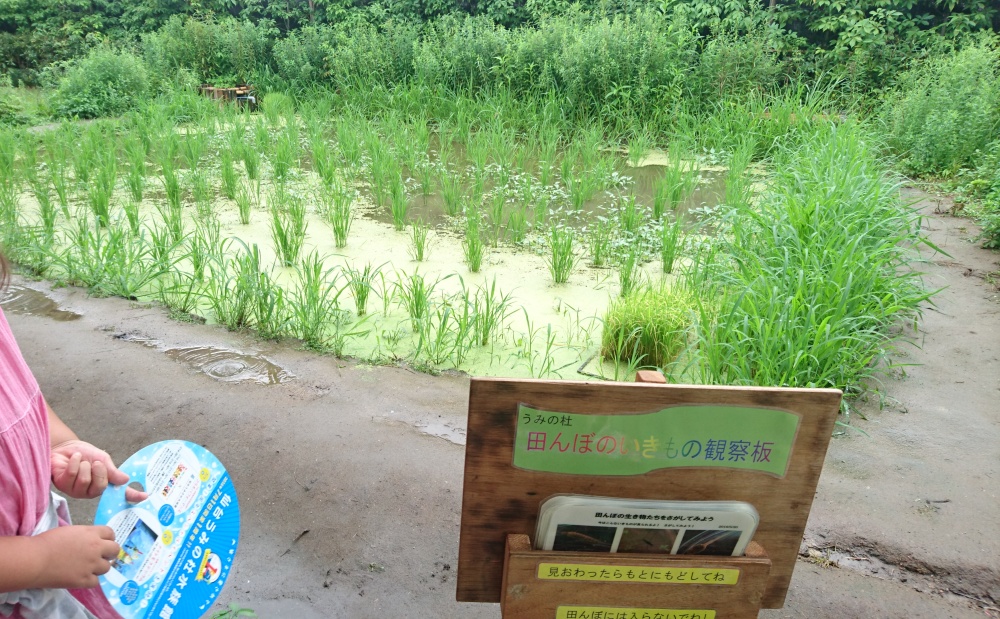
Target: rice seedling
{"x":246,"y":197}
{"x":314,"y":302}
{"x":322,"y":161}
{"x":232,"y":287}
{"x":162,"y":245}
{"x":562,"y":255}
{"x":437,"y":339}
{"x":201,"y":191}
{"x":517,"y":224}
{"x":270,"y":312}
{"x":822,"y":273}
{"x":541,"y":363}
{"x":193,"y":146}
{"x":201,"y":244}
{"x":346,"y":329}
{"x":181,"y":293}
{"x":496,"y":215}
{"x":671,"y":243}
{"x":173,"y":219}
{"x":451,"y":193}
{"x":101,"y":189}
{"x":285,"y":154}
{"x":630,"y":270}
{"x":276,"y":106}
{"x":737,"y":183}
{"x":679,"y":180}
{"x":131,"y":210}
{"x":84,"y":158}
{"x":288,"y":229}
{"x":227,"y":170}
{"x":383,"y":170}
{"x":348,"y":141}
{"x":58,"y":159}
{"x":418,"y":240}
{"x":598,"y":236}
{"x":360,"y":282}
{"x":639,"y":145}
{"x":135,"y":177}
{"x":251,"y":161}
{"x":339,"y":212}
{"x":46,"y":208}
{"x":490,"y":310}
{"x":399,"y":205}
{"x":171,"y":184}
{"x":414,"y":293}
{"x":631,"y":217}
{"x":473,"y":247}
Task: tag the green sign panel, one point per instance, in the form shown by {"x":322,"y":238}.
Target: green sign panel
{"x":733,"y":437}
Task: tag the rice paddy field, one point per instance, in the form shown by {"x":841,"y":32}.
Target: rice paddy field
{"x":764,"y":243}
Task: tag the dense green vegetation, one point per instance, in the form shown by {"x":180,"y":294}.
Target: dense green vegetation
{"x":526,"y":124}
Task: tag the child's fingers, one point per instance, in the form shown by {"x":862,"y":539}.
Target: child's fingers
{"x":115,"y":475}
{"x":99,"y":479}
{"x":81,"y":483}
{"x":134,"y":496}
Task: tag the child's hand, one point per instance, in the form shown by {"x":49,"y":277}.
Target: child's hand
{"x":83,"y":471}
{"x":72,"y":557}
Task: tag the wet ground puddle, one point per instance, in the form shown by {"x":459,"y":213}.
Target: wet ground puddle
{"x":28,"y":301}
{"x":230,"y":366}
{"x":222,"y":364}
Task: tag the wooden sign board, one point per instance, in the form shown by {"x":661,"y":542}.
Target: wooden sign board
{"x":500,"y":498}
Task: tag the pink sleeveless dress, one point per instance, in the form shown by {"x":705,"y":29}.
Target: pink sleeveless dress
{"x":25,"y":471}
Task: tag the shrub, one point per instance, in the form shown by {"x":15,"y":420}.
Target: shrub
{"x":652,"y":325}
{"x":947,"y":109}
{"x":106,"y":82}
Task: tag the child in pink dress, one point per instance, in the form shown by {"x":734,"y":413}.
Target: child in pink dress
{"x":48,"y":568}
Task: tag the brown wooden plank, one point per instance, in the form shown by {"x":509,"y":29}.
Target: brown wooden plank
{"x":525,"y":596}
{"x":499,"y":499}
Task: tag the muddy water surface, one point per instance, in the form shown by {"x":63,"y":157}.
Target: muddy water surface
{"x":22,"y":300}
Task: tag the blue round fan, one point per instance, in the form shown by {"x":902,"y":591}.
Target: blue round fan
{"x":178,"y":545}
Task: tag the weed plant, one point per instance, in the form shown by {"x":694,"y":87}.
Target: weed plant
{"x":823,"y":277}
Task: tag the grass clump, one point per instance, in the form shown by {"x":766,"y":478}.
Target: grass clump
{"x":654,"y":324}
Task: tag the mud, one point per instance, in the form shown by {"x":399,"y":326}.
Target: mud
{"x":350,"y":475}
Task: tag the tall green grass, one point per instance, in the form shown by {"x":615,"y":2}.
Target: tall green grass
{"x":811,"y":287}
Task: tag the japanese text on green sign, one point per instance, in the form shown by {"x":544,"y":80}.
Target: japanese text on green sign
{"x":735,"y":437}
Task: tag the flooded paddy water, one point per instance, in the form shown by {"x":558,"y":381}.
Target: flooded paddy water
{"x":504,"y":316}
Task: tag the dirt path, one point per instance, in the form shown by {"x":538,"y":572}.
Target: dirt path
{"x":351,"y":497}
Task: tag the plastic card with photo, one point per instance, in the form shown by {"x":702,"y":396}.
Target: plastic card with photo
{"x":600,"y":524}
{"x":178,"y":545}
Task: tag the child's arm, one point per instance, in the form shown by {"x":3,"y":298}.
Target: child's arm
{"x":65,"y":557}
{"x":79,"y":469}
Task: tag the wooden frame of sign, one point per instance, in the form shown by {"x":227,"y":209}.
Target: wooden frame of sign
{"x":501,"y":499}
